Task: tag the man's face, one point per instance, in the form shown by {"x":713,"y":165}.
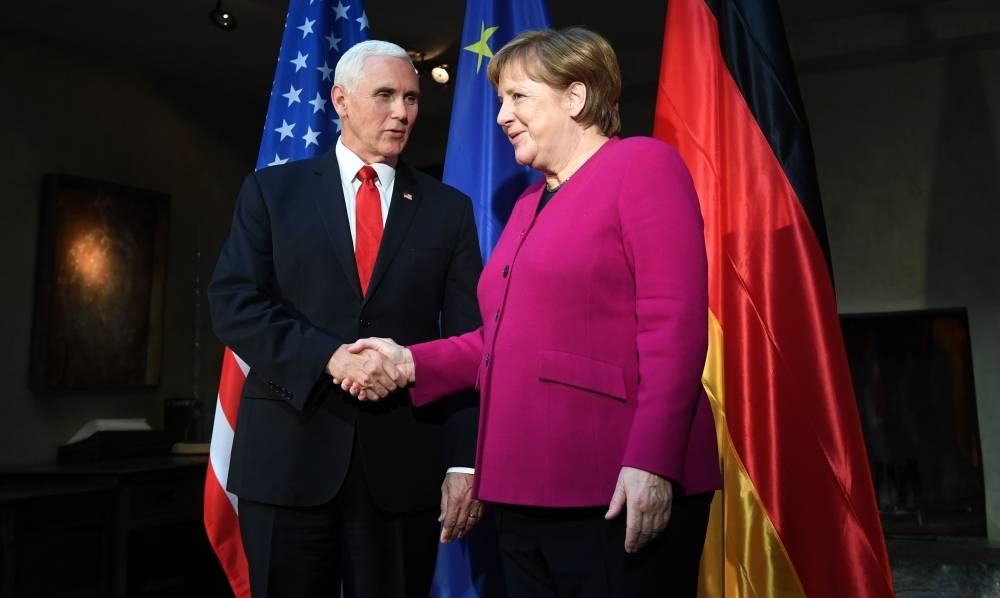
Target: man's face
{"x":377,"y":116}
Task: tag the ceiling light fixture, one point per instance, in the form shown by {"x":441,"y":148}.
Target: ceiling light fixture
{"x":440,"y":74}
{"x":222,"y":18}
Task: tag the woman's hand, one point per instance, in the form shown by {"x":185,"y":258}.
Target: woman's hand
{"x":647,"y":498}
{"x":398,"y":363}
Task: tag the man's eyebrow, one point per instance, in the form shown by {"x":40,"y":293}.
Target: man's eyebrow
{"x":393,"y":91}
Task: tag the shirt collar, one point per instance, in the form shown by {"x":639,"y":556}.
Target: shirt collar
{"x":350,"y":164}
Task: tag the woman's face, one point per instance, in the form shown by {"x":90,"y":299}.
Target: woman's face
{"x":537,"y":120}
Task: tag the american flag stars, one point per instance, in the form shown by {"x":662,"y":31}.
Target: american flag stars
{"x":292,"y":95}
{"x":306,"y":27}
{"x":318,"y":103}
{"x":326,"y":70}
{"x":316,"y":34}
{"x":299,"y":61}
{"x":285,"y":130}
{"x":334,"y":41}
{"x":310,"y":137}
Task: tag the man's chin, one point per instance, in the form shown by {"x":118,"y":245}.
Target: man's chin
{"x":393,"y":148}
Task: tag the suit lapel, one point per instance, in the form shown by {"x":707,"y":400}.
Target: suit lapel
{"x":404,"y":205}
{"x":328,"y":195}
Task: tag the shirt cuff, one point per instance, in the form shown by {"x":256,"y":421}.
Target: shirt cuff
{"x":468,"y":470}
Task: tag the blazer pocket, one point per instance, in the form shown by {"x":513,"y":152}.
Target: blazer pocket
{"x":582,"y":372}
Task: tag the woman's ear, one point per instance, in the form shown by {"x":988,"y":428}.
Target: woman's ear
{"x":575,"y":98}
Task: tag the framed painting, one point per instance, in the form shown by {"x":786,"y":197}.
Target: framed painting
{"x":101,"y":268}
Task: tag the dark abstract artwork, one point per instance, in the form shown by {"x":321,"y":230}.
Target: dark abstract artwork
{"x":99,"y":287}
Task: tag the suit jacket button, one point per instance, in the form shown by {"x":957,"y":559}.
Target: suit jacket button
{"x":496,"y":316}
{"x":506,"y":271}
{"x":365,"y":323}
{"x":487,"y":359}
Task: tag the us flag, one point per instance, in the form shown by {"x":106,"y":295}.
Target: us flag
{"x":300,"y":123}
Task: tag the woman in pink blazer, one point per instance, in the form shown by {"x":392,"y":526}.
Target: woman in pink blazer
{"x":596,"y":444}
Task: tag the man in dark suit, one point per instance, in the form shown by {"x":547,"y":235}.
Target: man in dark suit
{"x":350,"y":244}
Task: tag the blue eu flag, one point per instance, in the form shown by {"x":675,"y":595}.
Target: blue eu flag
{"x":480,"y":162}
{"x":480,"y":159}
{"x":301,"y":122}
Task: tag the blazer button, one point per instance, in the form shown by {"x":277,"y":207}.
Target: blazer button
{"x":487,"y":359}
{"x":496,"y":316}
{"x":365,"y":323}
{"x":506,"y":271}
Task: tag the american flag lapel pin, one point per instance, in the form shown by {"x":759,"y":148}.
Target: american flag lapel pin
{"x":407,"y":196}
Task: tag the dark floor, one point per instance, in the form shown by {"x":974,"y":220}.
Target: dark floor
{"x":944,"y":567}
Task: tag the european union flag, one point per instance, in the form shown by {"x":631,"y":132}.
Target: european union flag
{"x":480,"y":162}
{"x":301,"y":122}
{"x":480,"y":159}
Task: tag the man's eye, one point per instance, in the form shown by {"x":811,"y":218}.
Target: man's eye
{"x":412,"y":100}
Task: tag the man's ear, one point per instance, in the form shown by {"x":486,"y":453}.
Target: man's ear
{"x":575,"y":98}
{"x":339,"y":97}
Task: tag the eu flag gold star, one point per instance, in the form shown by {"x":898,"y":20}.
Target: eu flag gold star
{"x":481,"y":48}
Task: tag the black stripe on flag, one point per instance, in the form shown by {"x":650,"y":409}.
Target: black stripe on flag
{"x":753,"y":44}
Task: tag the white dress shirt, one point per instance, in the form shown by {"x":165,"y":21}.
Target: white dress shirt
{"x":350,"y":164}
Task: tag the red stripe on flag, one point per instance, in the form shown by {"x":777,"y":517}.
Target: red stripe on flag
{"x":223,"y":529}
{"x":789,"y":400}
{"x":230,"y":386}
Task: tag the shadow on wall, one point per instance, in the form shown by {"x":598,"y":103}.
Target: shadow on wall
{"x":965,"y":192}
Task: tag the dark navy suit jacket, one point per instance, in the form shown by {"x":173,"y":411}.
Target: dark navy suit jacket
{"x":285,"y":295}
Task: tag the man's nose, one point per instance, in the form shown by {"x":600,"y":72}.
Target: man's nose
{"x":399,"y":110}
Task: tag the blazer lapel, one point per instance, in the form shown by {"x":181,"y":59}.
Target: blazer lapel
{"x":328,"y":195}
{"x":405,"y":201}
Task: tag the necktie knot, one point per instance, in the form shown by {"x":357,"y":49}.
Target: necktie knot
{"x":367,"y":175}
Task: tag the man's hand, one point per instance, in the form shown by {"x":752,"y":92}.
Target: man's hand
{"x":365,"y":367}
{"x":648,"y":498}
{"x":459,"y":511}
{"x":399,"y":357}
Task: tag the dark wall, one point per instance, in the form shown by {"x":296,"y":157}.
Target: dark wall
{"x":905,"y":112}
{"x":73,"y":111}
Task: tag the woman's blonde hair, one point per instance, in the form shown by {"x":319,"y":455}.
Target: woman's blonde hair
{"x":559,"y":58}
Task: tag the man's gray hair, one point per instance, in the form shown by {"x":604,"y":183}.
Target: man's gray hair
{"x":351,"y":65}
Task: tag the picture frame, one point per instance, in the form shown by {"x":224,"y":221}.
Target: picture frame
{"x":99,"y":285}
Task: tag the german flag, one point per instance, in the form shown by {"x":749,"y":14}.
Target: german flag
{"x":797,"y":516}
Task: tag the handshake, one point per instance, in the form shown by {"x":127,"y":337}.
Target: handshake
{"x":371,"y":368}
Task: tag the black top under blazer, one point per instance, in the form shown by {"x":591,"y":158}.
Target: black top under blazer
{"x":285,"y":295}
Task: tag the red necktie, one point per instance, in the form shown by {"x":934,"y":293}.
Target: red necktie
{"x":368,"y":208}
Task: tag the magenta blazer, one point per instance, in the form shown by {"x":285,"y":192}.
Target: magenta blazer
{"x":594,"y":337}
